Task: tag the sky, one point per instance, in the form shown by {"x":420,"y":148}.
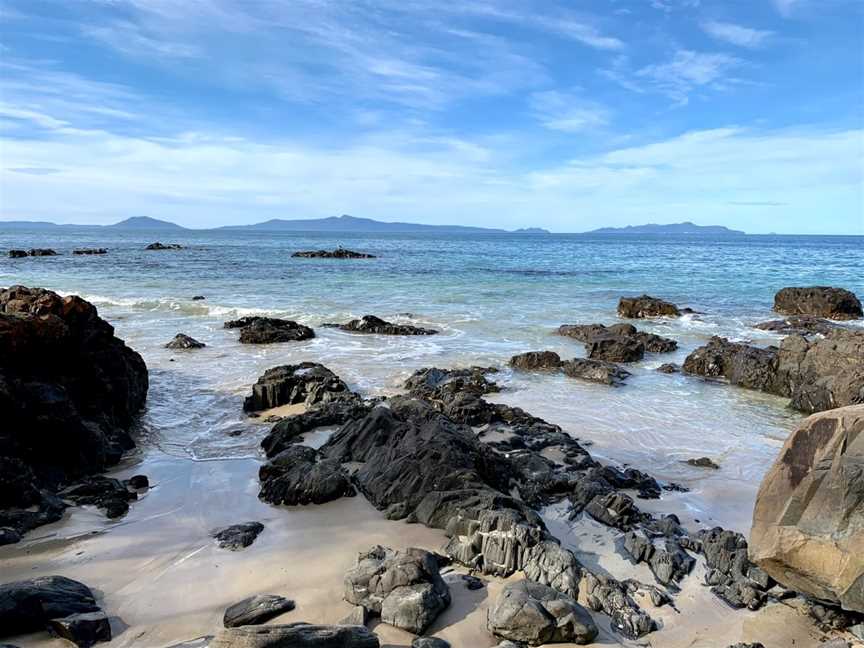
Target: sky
{"x":563,"y":114}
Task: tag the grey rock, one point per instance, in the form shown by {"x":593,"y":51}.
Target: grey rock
{"x":598,"y":371}
{"x":607,"y":595}
{"x":256,"y":609}
{"x":290,"y":430}
{"x":359,"y":615}
{"x":429,"y":642}
{"x":295,"y":635}
{"x":615,"y":349}
{"x":183,"y":341}
{"x":164,"y":246}
{"x":300,"y":475}
{"x":703,"y":462}
{"x":238,"y":536}
{"x":645,"y":306}
{"x":536,"y":361}
{"x":820,"y":301}
{"x":27,"y":606}
{"x":371,"y":324}
{"x":803,"y":324}
{"x":308,"y":383}
{"x":84,"y":629}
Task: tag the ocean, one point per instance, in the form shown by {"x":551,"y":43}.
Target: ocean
{"x":491,"y":296}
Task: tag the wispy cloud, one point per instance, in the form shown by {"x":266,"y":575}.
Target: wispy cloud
{"x":737,"y":34}
{"x":688,"y":70}
{"x":787,"y":7}
{"x":567,"y":112}
{"x":128,"y":38}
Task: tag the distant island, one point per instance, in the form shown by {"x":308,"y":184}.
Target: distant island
{"x":674,"y":228}
{"x":342,"y":223}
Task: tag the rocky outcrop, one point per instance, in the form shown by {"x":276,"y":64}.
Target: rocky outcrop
{"x":290,"y":430}
{"x":598,"y":371}
{"x":404,"y":587}
{"x":308,"y":383}
{"x":819,"y":301}
{"x":295,"y":635}
{"x":183,"y":341}
{"x":645,"y":306}
{"x":371,"y":324}
{"x":617,"y":343}
{"x":30,"y":605}
{"x":731,"y":575}
{"x":607,"y":595}
{"x":808,"y":522}
{"x":535,"y":614}
{"x":17,"y":254}
{"x":300,"y":475}
{"x":69,"y":392}
{"x":338,"y":253}
{"x":111,"y":495}
{"x":536,"y":361}
{"x":269,"y":330}
{"x":238,"y":536}
{"x":802,"y":324}
{"x":89,"y":251}
{"x":256,"y":609}
{"x":164,"y":246}
{"x":33,"y":252}
{"x":741,"y":364}
{"x":84,"y":629}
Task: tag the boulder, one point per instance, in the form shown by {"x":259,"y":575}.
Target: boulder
{"x":731,"y":575}
{"x":802,"y":324}
{"x":808,"y":522}
{"x":599,"y":371}
{"x":536,"y":361}
{"x":39,"y":252}
{"x":27,"y":606}
{"x":429,"y":642}
{"x":534,"y":614}
{"x":703,"y":462}
{"x":198,"y":298}
{"x":338,"y":253}
{"x":819,"y":301}
{"x":290,"y":430}
{"x":89,"y":251}
{"x":84,"y":629}
{"x":645,"y":306}
{"x":308,"y":383}
{"x":404,"y":587}
{"x":375,"y":325}
{"x":740,"y":364}
{"x":17,"y":254}
{"x":299,"y":475}
{"x":164,"y":246}
{"x":668,"y":368}
{"x":591,"y":333}
{"x":69,"y":392}
{"x":183,"y":341}
{"x":295,"y":635}
{"x":269,"y":330}
{"x":256,"y":609}
{"x":110,"y":495}
{"x":607,"y":595}
{"x":238,"y":536}
{"x":615,"y":349}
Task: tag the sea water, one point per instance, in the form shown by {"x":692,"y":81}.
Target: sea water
{"x":490,"y":296}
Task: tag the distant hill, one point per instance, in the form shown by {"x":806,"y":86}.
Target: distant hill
{"x":347,"y":223}
{"x":674,"y":228}
{"x":145,"y":222}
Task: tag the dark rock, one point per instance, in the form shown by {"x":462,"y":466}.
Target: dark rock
{"x":309,"y":383}
{"x":89,"y":251}
{"x":110,"y":495}
{"x":429,"y":642}
{"x":472,"y":582}
{"x":256,"y":609}
{"x":238,"y":536}
{"x":747,"y":645}
{"x":84,"y":629}
{"x":164,"y":246}
{"x":198,"y":298}
{"x":607,"y":595}
{"x":9,"y":536}
{"x":535,"y":614}
{"x":614,"y":509}
{"x":269,"y":330}
{"x":376,"y":325}
{"x":669,"y":368}
{"x":605,"y":373}
{"x":404,"y":587}
{"x":290,"y":429}
{"x":740,"y":364}
{"x":338,"y":253}
{"x":38,"y":252}
{"x":182,"y":341}
{"x":536,"y":361}
{"x":28,"y":606}
{"x":615,"y":349}
{"x":733,"y":578}
{"x":299,"y":475}
{"x":645,"y":306}
{"x":703,"y":462}
{"x":138,"y":482}
{"x":669,"y":564}
{"x":624,"y":334}
{"x":69,"y":393}
{"x":17,"y":254}
{"x":819,"y":301}
{"x":295,"y":635}
{"x":802,"y":324}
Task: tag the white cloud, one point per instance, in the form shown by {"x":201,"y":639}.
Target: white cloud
{"x":737,"y":34}
{"x":569,"y":113}
{"x":787,"y":7}
{"x":687,"y":71}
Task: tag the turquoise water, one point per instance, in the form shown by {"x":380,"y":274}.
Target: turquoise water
{"x":490,"y":295}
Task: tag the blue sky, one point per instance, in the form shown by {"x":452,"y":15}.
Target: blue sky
{"x":565,"y":115}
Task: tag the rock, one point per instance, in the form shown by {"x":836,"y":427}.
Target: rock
{"x":740,"y":364}
{"x":289,"y":430}
{"x":358,"y":616}
{"x":17,"y":254}
{"x":295,"y":635}
{"x":199,"y":642}
{"x":703,"y":462}
{"x":69,"y":392}
{"x":300,"y":475}
{"x":429,"y":642}
{"x":111,"y":495}
{"x":802,"y":324}
{"x":472,"y":582}
{"x":256,"y":609}
{"x":378,"y":326}
{"x":669,"y":564}
{"x":39,"y":252}
{"x":645,"y":306}
{"x":404,"y":587}
{"x":623,"y":333}
{"x":198,"y":298}
{"x":615,"y":349}
{"x":669,"y":368}
{"x":84,"y":629}
{"x":835,"y":643}
{"x":182,"y":341}
{"x":164,"y":246}
{"x":605,"y":373}
{"x":9,"y":535}
{"x":309,"y":383}
{"x":338,"y":253}
{"x":535,"y":614}
{"x":808,"y":522}
{"x":268,"y":330}
{"x":536,"y":361}
{"x":237,"y":536}
{"x":819,"y":301}
{"x":607,"y":595}
{"x":89,"y":251}
{"x":138,"y":482}
{"x":731,"y":575}
{"x":747,"y":645}
{"x":27,"y":606}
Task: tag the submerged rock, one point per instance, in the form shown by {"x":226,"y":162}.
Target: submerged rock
{"x":803,"y":324}
{"x":238,"y":536}
{"x":295,"y":635}
{"x":164,"y":246}
{"x":819,"y":301}
{"x":338,"y":253}
{"x":183,"y":341}
{"x":375,"y":325}
{"x":84,"y":629}
{"x":617,"y":343}
{"x":703,"y":462}
{"x":90,"y":251}
{"x":17,"y":254}
{"x":269,"y":330}
{"x":404,"y":587}
{"x":535,"y":614}
{"x":536,"y":361}
{"x":669,"y":368}
{"x":40,"y":252}
{"x":808,"y":522}
{"x":645,"y":306}
{"x":308,"y":383}
{"x":256,"y":609}
{"x":605,"y":373}
{"x":28,"y":606}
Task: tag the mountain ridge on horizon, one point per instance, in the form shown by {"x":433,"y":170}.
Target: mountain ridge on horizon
{"x":685,"y":227}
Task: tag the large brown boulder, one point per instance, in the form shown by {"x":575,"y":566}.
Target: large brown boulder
{"x":808,"y":523}
{"x":646,"y":306}
{"x":821,"y":301}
